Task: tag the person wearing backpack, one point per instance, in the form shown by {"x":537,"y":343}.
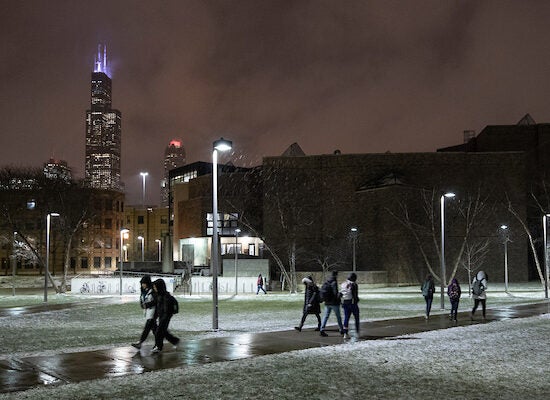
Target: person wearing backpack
{"x":331,"y":297}
{"x":350,"y":300}
{"x":148,"y":301}
{"x":479,"y":287}
{"x":454,"y":292}
{"x":428,"y":289}
{"x":164,"y":311}
{"x":312,"y":304}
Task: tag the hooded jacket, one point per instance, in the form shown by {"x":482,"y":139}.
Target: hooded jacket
{"x":147,"y":298}
{"x":164,"y":309}
{"x":312,"y":303}
{"x":482,"y":277}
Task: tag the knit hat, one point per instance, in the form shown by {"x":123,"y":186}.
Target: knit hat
{"x":352,"y":277}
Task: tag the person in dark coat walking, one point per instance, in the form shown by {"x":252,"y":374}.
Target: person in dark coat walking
{"x":428,"y":289}
{"x":164,"y":312}
{"x":148,"y":301}
{"x":312,"y":304}
{"x":332,"y":303}
{"x":454,"y":292}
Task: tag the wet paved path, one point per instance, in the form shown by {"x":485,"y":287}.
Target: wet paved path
{"x":18,"y":374}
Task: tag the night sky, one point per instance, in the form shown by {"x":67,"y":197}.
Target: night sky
{"x":359,"y":76}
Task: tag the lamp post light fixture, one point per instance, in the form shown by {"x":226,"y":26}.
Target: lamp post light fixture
{"x":159,"y":243}
{"x":143,"y":176}
{"x":237,"y":231}
{"x":123,"y":234}
{"x":353,"y":231}
{"x":142,"y":240}
{"x":546,"y":272}
{"x":443,"y":272}
{"x":218,"y":145}
{"x":505,"y":236}
{"x":47,"y":272}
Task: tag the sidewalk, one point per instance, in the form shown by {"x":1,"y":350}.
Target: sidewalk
{"x":17,"y":374}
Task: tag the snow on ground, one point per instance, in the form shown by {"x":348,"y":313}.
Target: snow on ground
{"x":507,"y":359}
{"x":499,"y":360}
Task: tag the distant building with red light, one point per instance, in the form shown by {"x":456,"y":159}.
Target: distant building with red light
{"x":174,"y":157}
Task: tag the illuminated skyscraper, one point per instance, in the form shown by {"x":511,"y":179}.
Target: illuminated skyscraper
{"x":174,"y":157}
{"x":103,"y":131}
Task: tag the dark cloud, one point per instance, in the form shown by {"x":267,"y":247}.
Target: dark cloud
{"x":359,"y":76}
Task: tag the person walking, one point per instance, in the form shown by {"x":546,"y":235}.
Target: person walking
{"x":164,"y":312}
{"x":260,"y":283}
{"x":428,"y":289}
{"x":312,"y":304}
{"x":479,"y":288}
{"x":350,"y":299}
{"x":331,"y":297}
{"x":454,"y":292}
{"x":148,"y":301}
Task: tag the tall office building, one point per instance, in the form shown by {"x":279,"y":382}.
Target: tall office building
{"x":103,"y":130}
{"x":174,"y":157}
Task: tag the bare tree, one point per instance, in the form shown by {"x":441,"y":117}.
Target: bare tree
{"x":473,"y":210}
{"x":474,"y":257}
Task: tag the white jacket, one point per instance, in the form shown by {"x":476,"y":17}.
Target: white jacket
{"x":149,"y":309}
{"x":480,"y":277}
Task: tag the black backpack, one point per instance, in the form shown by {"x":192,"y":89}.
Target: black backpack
{"x":478,"y":287}
{"x":173,"y":305}
{"x":326,"y":293}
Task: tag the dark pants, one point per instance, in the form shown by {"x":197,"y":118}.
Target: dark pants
{"x":429,"y":300}
{"x":150,"y":325}
{"x":476,"y":303}
{"x":162,"y":333}
{"x":304,"y":320}
{"x":350,"y":309}
{"x":454,"y":308}
{"x":260,"y":287}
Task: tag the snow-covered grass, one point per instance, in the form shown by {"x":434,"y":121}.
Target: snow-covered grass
{"x":506,"y":359}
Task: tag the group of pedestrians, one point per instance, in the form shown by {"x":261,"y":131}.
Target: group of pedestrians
{"x":479,"y":287}
{"x":159,"y":306}
{"x":334,"y":297}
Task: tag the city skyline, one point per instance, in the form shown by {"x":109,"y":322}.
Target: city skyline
{"x":365,"y":78}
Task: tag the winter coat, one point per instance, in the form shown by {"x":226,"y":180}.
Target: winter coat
{"x":312,"y":305}
{"x":164,"y":306}
{"x":482,"y":277}
{"x":148,"y":302}
{"x":334,"y":287}
{"x":354,"y":292}
{"x":428,"y":288}
{"x":454,"y":288}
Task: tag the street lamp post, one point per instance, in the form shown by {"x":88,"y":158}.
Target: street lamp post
{"x":505,"y":231}
{"x":47,"y":272}
{"x":354,"y":238}
{"x":159,"y":243}
{"x":143,"y":175}
{"x":443,"y":272}
{"x":142,"y":240}
{"x":218,"y":145}
{"x":237,"y":231}
{"x":123,"y":232}
{"x":546,"y":272}
{"x":13,"y":265}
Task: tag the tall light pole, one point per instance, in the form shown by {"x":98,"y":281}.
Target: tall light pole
{"x":218,"y":145}
{"x":546,"y":272}
{"x":123,"y":233}
{"x":443,"y":273}
{"x":143,"y":175}
{"x":142,"y":240}
{"x":159,"y":243}
{"x":353,"y":231}
{"x":47,"y":272}
{"x":13,"y":261}
{"x":237,"y":231}
{"x":505,"y":237}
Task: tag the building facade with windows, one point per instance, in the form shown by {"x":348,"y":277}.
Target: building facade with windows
{"x":174,"y":157}
{"x":149,"y":223}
